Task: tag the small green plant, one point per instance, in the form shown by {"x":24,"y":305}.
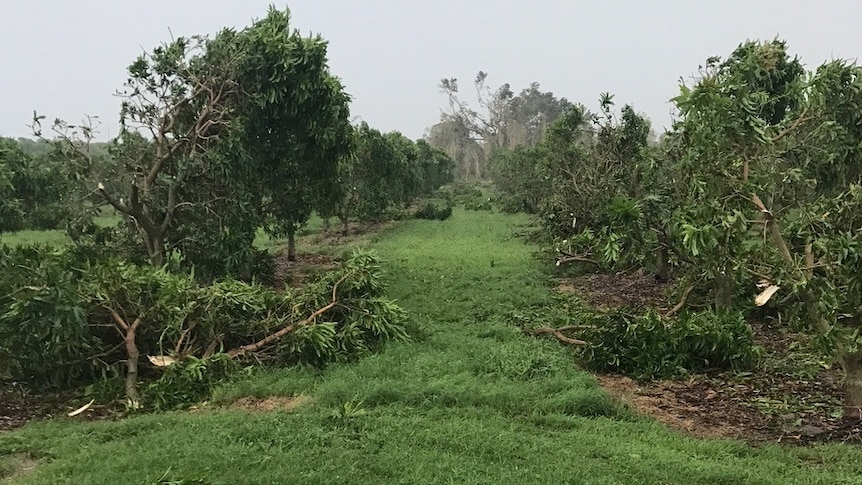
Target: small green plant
{"x":350,"y":410}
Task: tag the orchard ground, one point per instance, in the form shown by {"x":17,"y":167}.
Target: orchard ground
{"x":469,"y":400}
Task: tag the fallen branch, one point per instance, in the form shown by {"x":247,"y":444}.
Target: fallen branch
{"x":576,"y":258}
{"x":574,"y":327}
{"x":240,"y":351}
{"x":556,"y":332}
{"x":679,"y":306}
{"x":179,"y":347}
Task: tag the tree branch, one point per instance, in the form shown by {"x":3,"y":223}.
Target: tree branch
{"x":240,"y":351}
{"x":557,"y":333}
{"x":792,"y":127}
{"x":679,"y":306}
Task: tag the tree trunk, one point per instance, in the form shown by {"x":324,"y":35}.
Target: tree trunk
{"x":344,"y":225}
{"x":132,"y":365}
{"x":852,"y":364}
{"x":723,"y":292}
{"x":291,"y":244}
{"x":662,"y":268}
{"x":154,"y":242}
{"x":157,"y":251}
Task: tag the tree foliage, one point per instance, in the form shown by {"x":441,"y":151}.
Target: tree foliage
{"x":295,"y":123}
{"x":386,"y":171}
{"x":222,"y":136}
{"x":37,"y":191}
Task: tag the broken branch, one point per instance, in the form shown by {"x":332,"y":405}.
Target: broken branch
{"x":240,"y":351}
{"x":679,"y":306}
{"x":575,"y":258}
{"x":792,"y":127}
{"x":557,"y":333}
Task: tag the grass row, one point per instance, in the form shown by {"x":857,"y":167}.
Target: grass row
{"x":59,"y":237}
{"x":470,"y":401}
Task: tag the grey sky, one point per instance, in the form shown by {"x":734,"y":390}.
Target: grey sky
{"x":66,"y":59}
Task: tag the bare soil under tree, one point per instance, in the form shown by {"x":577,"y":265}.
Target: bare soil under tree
{"x":794,"y":397}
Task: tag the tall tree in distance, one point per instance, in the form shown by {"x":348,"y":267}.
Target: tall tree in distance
{"x":453,"y":137}
{"x":502,"y":120}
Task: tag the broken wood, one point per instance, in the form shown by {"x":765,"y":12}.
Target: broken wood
{"x":765,"y":295}
{"x":253,"y":347}
{"x":679,"y":306}
{"x":557,"y":333}
{"x":792,"y":127}
{"x":571,"y":258}
{"x":774,"y":230}
{"x":81,"y":409}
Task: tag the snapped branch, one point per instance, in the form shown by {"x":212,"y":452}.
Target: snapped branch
{"x":240,"y":351}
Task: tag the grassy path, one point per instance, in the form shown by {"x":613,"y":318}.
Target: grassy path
{"x":469,"y":401}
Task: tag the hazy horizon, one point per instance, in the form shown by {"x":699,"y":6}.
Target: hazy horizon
{"x":66,"y":60}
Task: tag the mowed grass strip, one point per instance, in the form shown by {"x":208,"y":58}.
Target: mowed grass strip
{"x":470,"y":400}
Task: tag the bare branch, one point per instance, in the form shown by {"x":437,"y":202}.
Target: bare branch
{"x":557,"y":333}
{"x":679,"y":306}
{"x":240,"y":351}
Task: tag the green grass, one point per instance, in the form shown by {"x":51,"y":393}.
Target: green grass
{"x":51,"y":237}
{"x":470,"y":400}
{"x":59,"y":237}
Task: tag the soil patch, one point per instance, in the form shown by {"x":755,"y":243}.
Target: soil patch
{"x":667,"y":402}
{"x":272,"y":403}
{"x":296,"y":273}
{"x":308,"y":266}
{"x":727,"y":406}
{"x":19,"y":406}
{"x":608,"y":291}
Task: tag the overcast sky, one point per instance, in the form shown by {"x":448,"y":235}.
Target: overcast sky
{"x":66,"y":59}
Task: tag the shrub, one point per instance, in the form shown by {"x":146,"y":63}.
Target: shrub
{"x":434,"y":211}
{"x":60,"y":319}
{"x":466,"y":194}
{"x":485,"y":204}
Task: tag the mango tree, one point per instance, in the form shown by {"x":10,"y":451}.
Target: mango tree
{"x":295,"y":122}
{"x":372,"y":176}
{"x":11,"y":210}
{"x":767,"y":158}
